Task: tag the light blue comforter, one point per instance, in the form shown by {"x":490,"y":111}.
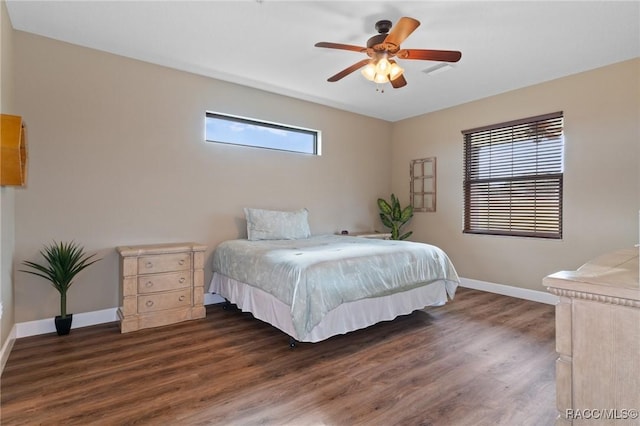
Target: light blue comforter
{"x":317,"y":274}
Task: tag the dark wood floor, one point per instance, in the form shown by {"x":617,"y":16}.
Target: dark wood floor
{"x":482,"y":359}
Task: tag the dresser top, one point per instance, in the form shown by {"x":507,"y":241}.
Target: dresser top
{"x":613,"y":274}
{"x":145,"y":249}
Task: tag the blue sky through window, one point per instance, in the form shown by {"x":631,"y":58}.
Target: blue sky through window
{"x":242,"y":131}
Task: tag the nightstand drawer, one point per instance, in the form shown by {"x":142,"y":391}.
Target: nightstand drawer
{"x":161,"y":301}
{"x":163,"y":282}
{"x":164,"y":263}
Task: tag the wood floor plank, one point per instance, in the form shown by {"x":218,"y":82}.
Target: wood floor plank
{"x":483,"y":359}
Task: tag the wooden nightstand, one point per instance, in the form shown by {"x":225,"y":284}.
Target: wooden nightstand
{"x":161,"y":284}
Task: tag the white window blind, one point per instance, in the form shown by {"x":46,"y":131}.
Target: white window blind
{"x":513,"y":178}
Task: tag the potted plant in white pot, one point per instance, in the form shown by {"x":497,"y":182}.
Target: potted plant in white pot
{"x":63,"y":262}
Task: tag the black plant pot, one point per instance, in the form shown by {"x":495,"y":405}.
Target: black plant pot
{"x":63,"y":325}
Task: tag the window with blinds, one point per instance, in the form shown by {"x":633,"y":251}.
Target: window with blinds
{"x":513,"y":178}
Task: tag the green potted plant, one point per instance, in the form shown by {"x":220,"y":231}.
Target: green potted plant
{"x":395,"y":217}
{"x":63,"y":262}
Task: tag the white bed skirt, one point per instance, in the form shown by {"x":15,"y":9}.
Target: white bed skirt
{"x":343,"y":319}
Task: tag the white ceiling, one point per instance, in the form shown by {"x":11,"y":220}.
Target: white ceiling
{"x":270,"y":44}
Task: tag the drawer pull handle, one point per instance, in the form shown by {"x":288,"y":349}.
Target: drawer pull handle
{"x":149,"y":264}
{"x":181,"y":280}
{"x":181,"y":262}
{"x":181,"y":298}
{"x":149,"y":284}
{"x":149,"y":303}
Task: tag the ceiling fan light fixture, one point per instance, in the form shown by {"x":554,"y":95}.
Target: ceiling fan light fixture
{"x":381,"y":78}
{"x":369,"y":71}
{"x":395,"y":71}
{"x":383,"y":65}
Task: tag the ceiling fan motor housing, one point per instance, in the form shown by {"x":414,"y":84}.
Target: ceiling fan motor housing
{"x":376,"y":44}
{"x":376,"y":40}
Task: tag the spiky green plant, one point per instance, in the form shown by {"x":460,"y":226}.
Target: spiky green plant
{"x":394,"y":217}
{"x":63,"y":262}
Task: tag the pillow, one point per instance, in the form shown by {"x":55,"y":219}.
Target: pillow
{"x":277,"y":225}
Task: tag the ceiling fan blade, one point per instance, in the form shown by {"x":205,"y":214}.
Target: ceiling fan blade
{"x":430,"y":55}
{"x":401,"y":30}
{"x":345,"y":72}
{"x":340,"y":46}
{"x":398,"y":82}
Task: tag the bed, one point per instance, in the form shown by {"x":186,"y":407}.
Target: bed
{"x":315,"y":287}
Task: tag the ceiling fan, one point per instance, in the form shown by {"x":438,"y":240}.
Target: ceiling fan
{"x":380,"y":66}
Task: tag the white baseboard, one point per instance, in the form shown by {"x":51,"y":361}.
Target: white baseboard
{"x":32,"y":328}
{"x":6,"y":348}
{"x":43,"y":326}
{"x":85,"y":319}
{"x":507,"y":290}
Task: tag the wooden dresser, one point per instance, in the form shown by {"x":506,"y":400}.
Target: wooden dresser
{"x":598,"y":341}
{"x":161,"y":284}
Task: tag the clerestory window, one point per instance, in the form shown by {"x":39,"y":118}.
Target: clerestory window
{"x":230,"y":129}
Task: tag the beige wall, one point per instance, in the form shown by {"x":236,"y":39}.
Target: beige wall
{"x":601,"y":182}
{"x":6,"y":193}
{"x":117,"y":156}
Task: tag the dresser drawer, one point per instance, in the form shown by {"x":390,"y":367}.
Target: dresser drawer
{"x":164,"y":263}
{"x":160,"y":301}
{"x":162,"y":282}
